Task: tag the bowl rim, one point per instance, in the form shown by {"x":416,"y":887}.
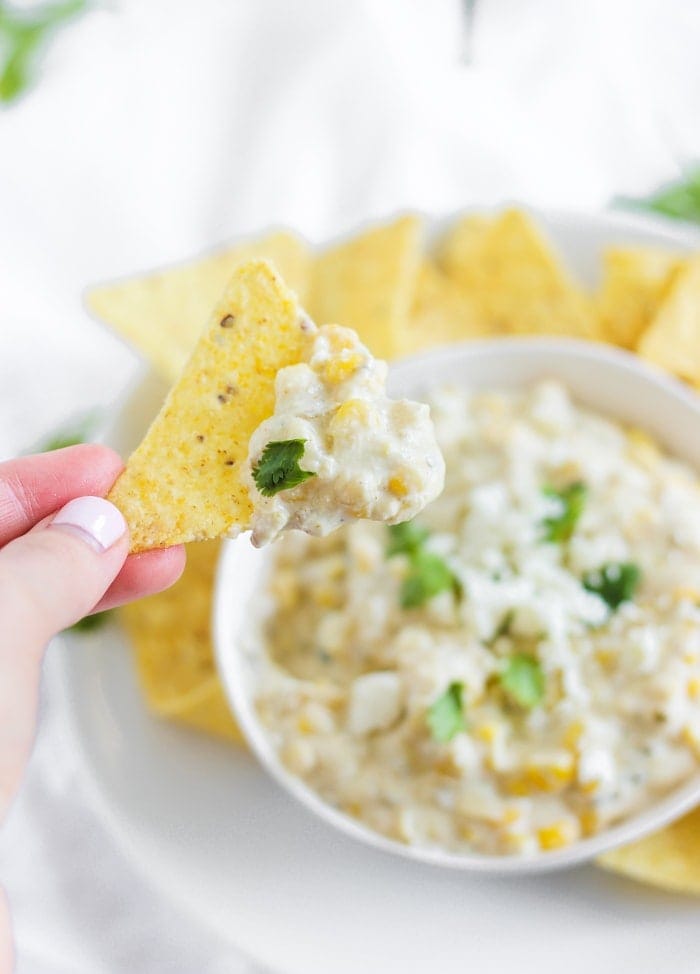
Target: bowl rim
{"x":231,"y":662}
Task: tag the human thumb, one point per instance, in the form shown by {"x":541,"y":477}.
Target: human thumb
{"x":58,"y":571}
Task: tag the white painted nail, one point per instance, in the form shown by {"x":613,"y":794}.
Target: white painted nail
{"x":94,"y":519}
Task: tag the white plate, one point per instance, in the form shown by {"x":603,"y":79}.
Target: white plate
{"x":208,"y":826}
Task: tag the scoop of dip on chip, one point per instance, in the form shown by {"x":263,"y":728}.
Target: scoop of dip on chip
{"x":336,"y":447}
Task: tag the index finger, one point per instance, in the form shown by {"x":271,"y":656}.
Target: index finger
{"x":35,"y":486}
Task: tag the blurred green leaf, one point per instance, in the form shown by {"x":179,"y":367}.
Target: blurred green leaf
{"x":22,"y":35}
{"x":79,"y":430}
{"x":615,"y":582}
{"x":572,"y":500}
{"x":445,"y":715}
{"x":523,"y":680}
{"x":405,"y":538}
{"x":679,"y":200}
{"x":91,"y":623}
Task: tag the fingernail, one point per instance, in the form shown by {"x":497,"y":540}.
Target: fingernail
{"x":94,"y":519}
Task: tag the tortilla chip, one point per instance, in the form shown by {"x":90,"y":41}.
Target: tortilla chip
{"x":672,"y":340}
{"x":635,"y":281}
{"x":441,"y":313}
{"x":367,"y":284}
{"x":171,"y":640}
{"x":670,"y":858}
{"x":513,"y":277}
{"x":162,"y":314}
{"x":184,"y":482}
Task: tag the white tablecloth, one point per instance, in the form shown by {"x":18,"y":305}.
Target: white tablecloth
{"x":159,"y":128}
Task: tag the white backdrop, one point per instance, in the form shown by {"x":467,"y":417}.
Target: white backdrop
{"x":161,"y":127}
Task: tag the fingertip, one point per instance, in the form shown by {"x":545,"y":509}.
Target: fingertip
{"x":97,"y":454}
{"x":145,"y":573}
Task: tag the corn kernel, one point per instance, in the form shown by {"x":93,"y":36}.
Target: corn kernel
{"x":339,"y":339}
{"x":589,"y":821}
{"x":550,"y":777}
{"x":465,"y":831}
{"x":285,"y":589}
{"x":690,"y":735}
{"x":686,"y":593}
{"x":511,"y":814}
{"x":349,"y":413}
{"x":365,"y":561}
{"x":398,"y":486}
{"x":589,"y":787}
{"x":572,"y":734}
{"x":606,"y":657}
{"x":640,"y":438}
{"x":304,"y":725}
{"x":335,"y":371}
{"x":642,"y":447}
{"x":327,"y":596}
{"x":446,"y":765}
{"x":487,"y":732}
{"x":556,"y":835}
{"x":693,"y":687}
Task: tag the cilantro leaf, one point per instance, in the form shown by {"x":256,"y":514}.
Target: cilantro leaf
{"x":429,"y":575}
{"x":79,"y":431}
{"x":445,"y":715}
{"x":679,"y":200}
{"x":278,"y":467}
{"x":21,"y":37}
{"x":91,"y":623}
{"x":572,"y":500}
{"x":406,"y":538}
{"x":615,"y":582}
{"x":523,"y":680}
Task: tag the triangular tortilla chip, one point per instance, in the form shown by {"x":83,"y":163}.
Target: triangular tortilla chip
{"x":184,"y":483}
{"x":635,"y":281}
{"x":171,"y":639}
{"x":672,"y":340}
{"x":367,"y":284}
{"x":513,"y":277}
{"x":162,"y":313}
{"x":670,"y":858}
{"x":441,"y":313}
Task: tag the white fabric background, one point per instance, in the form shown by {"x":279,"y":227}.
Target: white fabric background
{"x":161,"y":127}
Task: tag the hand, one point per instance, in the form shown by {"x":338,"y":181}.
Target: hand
{"x":63,"y":555}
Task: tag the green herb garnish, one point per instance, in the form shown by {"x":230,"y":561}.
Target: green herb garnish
{"x":614,"y":582}
{"x":428,"y":576}
{"x":679,"y":200}
{"x":445,"y":715}
{"x":22,"y":35}
{"x":278,"y":468}
{"x":572,"y":500}
{"x":91,"y":623}
{"x":406,"y":538}
{"x":523,"y":680}
{"x":79,"y":431}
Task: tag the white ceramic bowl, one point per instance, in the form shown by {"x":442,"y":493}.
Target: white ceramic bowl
{"x":607,"y":380}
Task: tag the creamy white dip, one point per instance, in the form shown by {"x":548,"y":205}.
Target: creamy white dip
{"x":547,"y":685}
{"x":362,"y":454}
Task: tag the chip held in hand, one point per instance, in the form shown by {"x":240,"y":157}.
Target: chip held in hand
{"x":275,"y":424}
